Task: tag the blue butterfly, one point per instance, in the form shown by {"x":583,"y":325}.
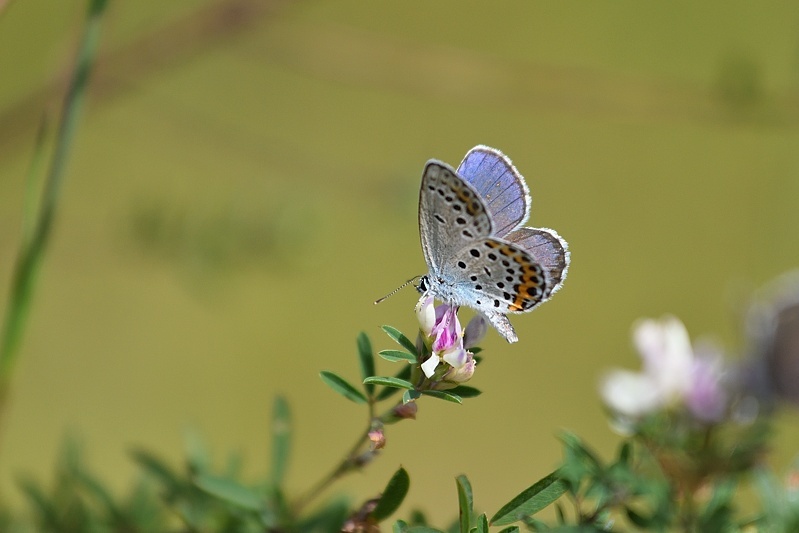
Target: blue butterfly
{"x":477,"y":252}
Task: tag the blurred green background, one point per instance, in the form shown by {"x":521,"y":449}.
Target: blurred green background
{"x":244,"y":185}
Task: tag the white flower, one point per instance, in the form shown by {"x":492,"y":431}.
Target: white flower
{"x":671,"y":375}
{"x":426,"y":314}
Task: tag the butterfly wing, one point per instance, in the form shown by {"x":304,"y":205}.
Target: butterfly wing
{"x":501,"y":187}
{"x":494,"y":277}
{"x":451,"y":214}
{"x":469,"y":264}
{"x":548,"y":249}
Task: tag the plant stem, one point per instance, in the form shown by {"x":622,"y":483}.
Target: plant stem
{"x":350,"y":463}
{"x":38,"y":226}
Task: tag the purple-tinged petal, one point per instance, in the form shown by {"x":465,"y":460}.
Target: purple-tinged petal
{"x":706,"y":398}
{"x":475,"y":331}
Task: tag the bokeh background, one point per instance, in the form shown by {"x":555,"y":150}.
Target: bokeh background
{"x":244,"y":185}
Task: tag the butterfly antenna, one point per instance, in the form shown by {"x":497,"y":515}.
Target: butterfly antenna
{"x":395,"y":291}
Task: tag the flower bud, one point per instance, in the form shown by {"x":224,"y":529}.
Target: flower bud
{"x":426,"y":314}
{"x":377,"y":439}
{"x":461,"y":374}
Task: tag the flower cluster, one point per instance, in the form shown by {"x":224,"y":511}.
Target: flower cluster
{"x":675,"y":375}
{"x":447,"y":361}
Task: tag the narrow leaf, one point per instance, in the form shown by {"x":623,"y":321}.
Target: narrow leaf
{"x":574,"y":443}
{"x":157,"y":469}
{"x":38,"y":231}
{"x":230,"y":491}
{"x":443,"y":395}
{"x":465,"y":503}
{"x":510,"y":529}
{"x":401,"y":339}
{"x":46,"y":512}
{"x":465,"y":392}
{"x":482,"y":524}
{"x":397,"y":355}
{"x":387,"y":392}
{"x":281,"y":439}
{"x":341,"y":386}
{"x":367,"y":359}
{"x":625,"y":451}
{"x":388,"y":381}
{"x":531,"y":500}
{"x":393,"y":495}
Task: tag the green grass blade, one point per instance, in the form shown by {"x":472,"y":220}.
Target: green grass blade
{"x":35,"y":241}
{"x":281,"y":439}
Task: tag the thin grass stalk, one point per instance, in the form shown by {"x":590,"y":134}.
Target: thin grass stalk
{"x":38,"y":222}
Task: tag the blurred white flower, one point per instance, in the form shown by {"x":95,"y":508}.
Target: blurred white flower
{"x":672,"y":375}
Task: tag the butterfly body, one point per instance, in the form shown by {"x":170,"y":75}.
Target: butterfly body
{"x":477,"y":253}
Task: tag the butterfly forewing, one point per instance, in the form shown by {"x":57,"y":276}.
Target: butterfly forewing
{"x":451,"y":215}
{"x":501,"y":187}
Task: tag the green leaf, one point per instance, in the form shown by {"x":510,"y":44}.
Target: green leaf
{"x":46,"y":512}
{"x":395,"y":491}
{"x":482,"y":524}
{"x":231,"y":491}
{"x":465,"y":392}
{"x":401,"y":339}
{"x":341,"y":386}
{"x":399,"y":526}
{"x":158,"y":469}
{"x":531,"y":500}
{"x":575,"y":444}
{"x":101,"y":494}
{"x":638,"y":519}
{"x":410,"y":395}
{"x":443,"y":395}
{"x":397,"y":355}
{"x":198,"y":456}
{"x":281,"y":439}
{"x":465,"y":503}
{"x":37,"y":230}
{"x":367,"y":358}
{"x":388,"y":381}
{"x":510,"y":529}
{"x":423,"y":529}
{"x":404,"y":374}
{"x":328,"y":518}
{"x":625,"y":452}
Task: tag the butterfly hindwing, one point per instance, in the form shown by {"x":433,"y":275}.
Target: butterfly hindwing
{"x":494,"y":277}
{"x":548,"y":249}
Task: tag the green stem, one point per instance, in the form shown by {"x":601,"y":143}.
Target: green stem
{"x":38,"y":227}
{"x":349,"y":464}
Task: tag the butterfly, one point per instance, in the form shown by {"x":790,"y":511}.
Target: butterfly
{"x":477,"y":252}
